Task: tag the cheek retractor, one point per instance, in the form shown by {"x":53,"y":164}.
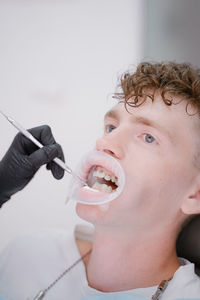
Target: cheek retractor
{"x":102,"y":164}
{"x":88,"y":188}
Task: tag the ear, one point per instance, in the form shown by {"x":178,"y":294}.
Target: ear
{"x":191,"y":205}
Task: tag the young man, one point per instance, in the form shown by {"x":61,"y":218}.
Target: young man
{"x":153,"y":132}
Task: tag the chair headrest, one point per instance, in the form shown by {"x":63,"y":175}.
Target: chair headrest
{"x":188,"y":242}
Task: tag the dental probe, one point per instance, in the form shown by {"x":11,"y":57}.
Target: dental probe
{"x":37,"y":143}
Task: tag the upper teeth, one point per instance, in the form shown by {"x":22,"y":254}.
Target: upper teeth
{"x":102,"y":174}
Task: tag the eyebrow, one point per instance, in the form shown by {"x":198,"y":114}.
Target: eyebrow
{"x":111,"y":114}
{"x":140,"y":120}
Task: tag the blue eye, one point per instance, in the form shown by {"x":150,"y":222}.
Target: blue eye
{"x":109,"y":128}
{"x":149,"y":138}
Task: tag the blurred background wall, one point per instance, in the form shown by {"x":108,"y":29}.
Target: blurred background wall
{"x":59,"y":63}
{"x":172,"y":30}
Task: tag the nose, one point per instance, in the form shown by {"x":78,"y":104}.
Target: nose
{"x":111,"y":145}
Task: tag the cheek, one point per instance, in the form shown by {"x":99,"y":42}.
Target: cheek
{"x":165,"y":189}
{"x":153,"y":179}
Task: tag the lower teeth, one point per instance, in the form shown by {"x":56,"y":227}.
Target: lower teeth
{"x":102,"y":187}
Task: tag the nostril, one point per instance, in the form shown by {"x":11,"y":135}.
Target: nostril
{"x":110,"y":153}
{"x":110,"y":147}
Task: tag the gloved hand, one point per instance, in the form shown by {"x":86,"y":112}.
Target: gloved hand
{"x":24,"y":158}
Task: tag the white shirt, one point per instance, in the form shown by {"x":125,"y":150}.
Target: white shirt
{"x":32,"y":263}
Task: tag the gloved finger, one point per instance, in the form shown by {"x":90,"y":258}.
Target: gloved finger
{"x":56,"y":170}
{"x":44,"y":155}
{"x":24,"y":146}
{"x":43,"y":134}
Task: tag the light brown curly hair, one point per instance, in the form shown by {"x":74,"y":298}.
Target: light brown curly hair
{"x":175,"y":79}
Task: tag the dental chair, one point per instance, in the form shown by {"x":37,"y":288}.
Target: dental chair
{"x":188,"y":243}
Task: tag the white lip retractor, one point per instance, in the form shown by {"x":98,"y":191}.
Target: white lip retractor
{"x":87,"y":195}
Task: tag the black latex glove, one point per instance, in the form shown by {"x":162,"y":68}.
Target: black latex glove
{"x":24,"y":158}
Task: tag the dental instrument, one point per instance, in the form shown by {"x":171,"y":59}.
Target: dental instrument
{"x":37,"y":143}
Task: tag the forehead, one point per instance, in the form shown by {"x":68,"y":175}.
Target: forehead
{"x":157,"y":109}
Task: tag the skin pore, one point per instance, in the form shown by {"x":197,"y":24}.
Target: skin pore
{"x":134,"y":239}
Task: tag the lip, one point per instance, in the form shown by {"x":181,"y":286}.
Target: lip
{"x":86,"y":195}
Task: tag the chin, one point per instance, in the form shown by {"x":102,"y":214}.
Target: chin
{"x":93,"y":213}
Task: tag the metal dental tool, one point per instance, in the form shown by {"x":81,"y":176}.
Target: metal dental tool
{"x":37,"y":143}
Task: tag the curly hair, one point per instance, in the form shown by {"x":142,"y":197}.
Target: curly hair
{"x":175,"y":79}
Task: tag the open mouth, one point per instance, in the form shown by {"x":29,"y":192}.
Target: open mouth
{"x":104,"y":176}
{"x":101,"y":179}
